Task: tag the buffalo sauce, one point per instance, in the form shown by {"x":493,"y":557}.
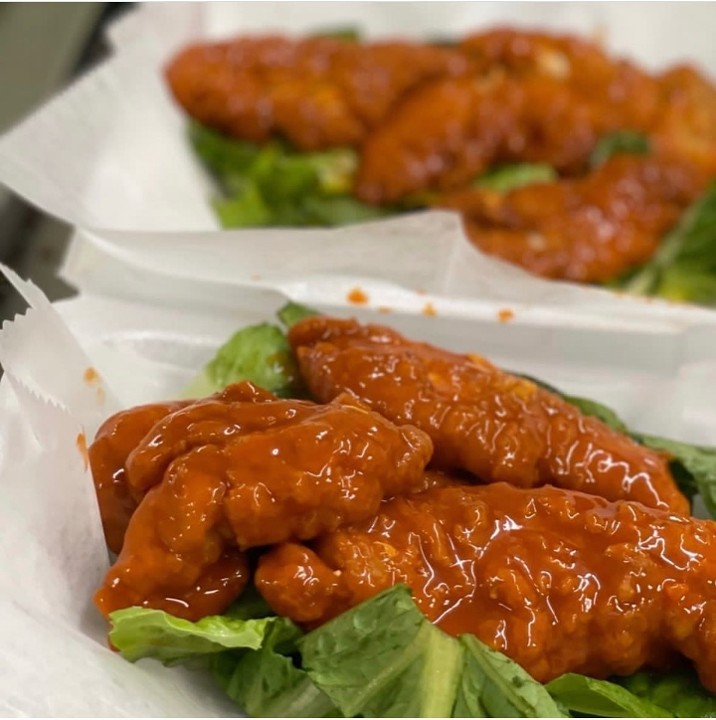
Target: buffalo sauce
{"x":114,"y":441}
{"x":239,"y":470}
{"x":497,"y":426}
{"x":557,"y":580}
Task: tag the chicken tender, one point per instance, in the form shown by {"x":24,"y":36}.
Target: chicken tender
{"x":316,"y":92}
{"x":617,"y":85}
{"x":246,"y":469}
{"x":589,"y":229}
{"x":686,"y":128}
{"x":495,"y":425}
{"x":115,"y":439}
{"x":523,"y":52}
{"x":442,"y":135}
{"x":108,"y":454}
{"x":559,"y":581}
{"x":448,"y":132}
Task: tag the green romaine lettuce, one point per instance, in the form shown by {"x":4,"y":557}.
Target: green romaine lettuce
{"x":141,"y":632}
{"x":510,"y":177}
{"x":292,"y":312}
{"x":384,"y":659}
{"x":681,"y":693}
{"x":492,"y":685}
{"x":259,"y":353}
{"x":600,"y":698}
{"x":617,"y":143}
{"x":267,"y":683}
{"x":348,"y":33}
{"x":273,"y":185}
{"x":684,"y":266}
{"x":220,"y":155}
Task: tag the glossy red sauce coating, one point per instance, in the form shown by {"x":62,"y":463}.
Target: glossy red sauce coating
{"x":587,"y":229}
{"x":316,"y":92}
{"x":245,"y":469}
{"x":495,"y":425}
{"x":559,"y":581}
{"x":114,"y":441}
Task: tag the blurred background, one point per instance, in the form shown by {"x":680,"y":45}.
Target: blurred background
{"x":43,"y":46}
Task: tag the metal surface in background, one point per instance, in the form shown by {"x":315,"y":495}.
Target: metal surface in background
{"x":43,"y":46}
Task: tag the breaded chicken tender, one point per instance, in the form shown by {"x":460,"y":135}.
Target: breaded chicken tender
{"x":115,"y":439}
{"x":589,"y":229}
{"x":686,"y":126}
{"x":497,"y":426}
{"x":559,"y":581}
{"x":534,"y":98}
{"x":246,"y":469}
{"x":317,"y":92}
{"x":616,"y":84}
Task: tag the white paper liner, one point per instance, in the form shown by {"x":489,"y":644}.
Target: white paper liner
{"x":416,"y":263}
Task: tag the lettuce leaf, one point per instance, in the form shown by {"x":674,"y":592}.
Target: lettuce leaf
{"x":267,"y":682}
{"x":681,"y":693}
{"x":292,"y":312}
{"x":274,"y":185}
{"x":492,"y":685}
{"x":259,"y":353}
{"x":616,"y":143}
{"x":684,"y":266}
{"x":383,"y":658}
{"x":348,"y":33}
{"x":600,"y":698}
{"x":221,"y":155}
{"x":510,"y":177}
{"x":141,"y":632}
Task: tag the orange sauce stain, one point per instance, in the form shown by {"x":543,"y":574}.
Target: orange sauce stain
{"x":81,"y":443}
{"x":429,"y":309}
{"x":357,"y":296}
{"x":505,"y":315}
{"x":421,"y":291}
{"x":384,"y":309}
{"x":91,"y":375}
{"x":256,"y":277}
